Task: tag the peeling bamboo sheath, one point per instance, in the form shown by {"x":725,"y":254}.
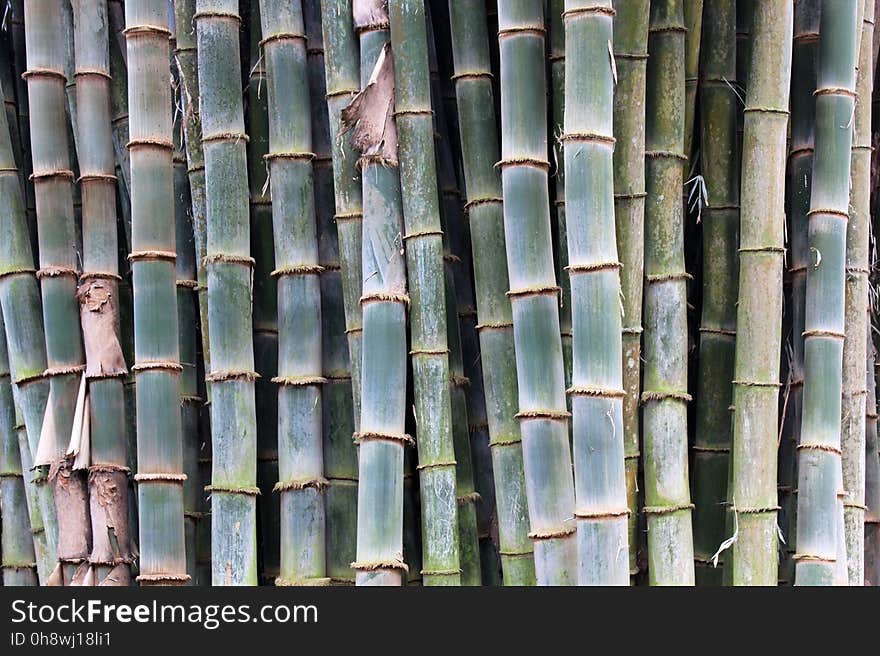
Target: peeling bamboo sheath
{"x":856,"y":327}
{"x":108,"y":488}
{"x":533,"y":293}
{"x":670,"y":543}
{"x":342,"y":68}
{"x":157,"y":368}
{"x":229,"y":265}
{"x":425,"y":272}
{"x":630,"y":56}
{"x":300,"y":448}
{"x":23,"y":328}
{"x":597,"y":348}
{"x":820,"y":511}
{"x":720,"y":170}
{"x":483,"y":182}
{"x":54,"y":201}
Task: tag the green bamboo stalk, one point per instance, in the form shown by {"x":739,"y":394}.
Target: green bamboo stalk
{"x":667,"y":498}
{"x":800,"y":171}
{"x":20,"y":302}
{"x":119,"y":117}
{"x":630,"y":56}
{"x":45,"y":559}
{"x":112,"y":547}
{"x":58,"y":276}
{"x":19,"y":562}
{"x":872,"y":477}
{"x":383,"y":391}
{"x":533,"y":293}
{"x":819,"y":470}
{"x":67,"y":21}
{"x":265,"y":304}
{"x":425,"y":272}
{"x":752,"y":493}
{"x":233,"y":414}
{"x":593,"y":268}
{"x":342,"y":74}
{"x":693,"y":23}
{"x":340,"y":455}
{"x":300,"y":453}
{"x":720,"y":218}
{"x":157,"y":347}
{"x":858,"y":236}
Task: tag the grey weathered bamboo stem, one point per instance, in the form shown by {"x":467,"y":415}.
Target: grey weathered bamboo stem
{"x":858,"y":234}
{"x":534,"y":293}
{"x":665,"y":397}
{"x":872,"y":477}
{"x":157,"y":352}
{"x":229,"y":263}
{"x":113,"y":549}
{"x":819,"y":470}
{"x":383,"y":405}
{"x":424,"y":253}
{"x":720,"y":167}
{"x":342,"y":75}
{"x":58,"y":274}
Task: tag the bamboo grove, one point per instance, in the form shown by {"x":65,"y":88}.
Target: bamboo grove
{"x":439,"y":292}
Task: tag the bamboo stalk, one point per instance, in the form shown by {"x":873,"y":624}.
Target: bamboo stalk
{"x":342,"y":74}
{"x":533,"y":294}
{"x":858,"y":236}
{"x":19,"y":562}
{"x":872,"y":477}
{"x":693,"y":23}
{"x":300,"y":450}
{"x":20,"y":302}
{"x":58,"y":276}
{"x":119,"y":118}
{"x":664,"y":399}
{"x":720,"y":218}
{"x":265,"y":304}
{"x":593,"y":268}
{"x":157,"y":348}
{"x":45,"y":558}
{"x":819,"y":470}
{"x":112,"y":547}
{"x":383,"y":404}
{"x":229,"y":264}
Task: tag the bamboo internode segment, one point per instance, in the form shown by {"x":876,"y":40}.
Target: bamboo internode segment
{"x":820,"y":525}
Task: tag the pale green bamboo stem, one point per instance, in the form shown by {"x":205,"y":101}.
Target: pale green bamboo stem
{"x":693,"y":23}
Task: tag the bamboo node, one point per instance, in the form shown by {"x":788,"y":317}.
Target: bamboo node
{"x":436,"y":465}
{"x":537,"y":290}
{"x":188,"y":284}
{"x":55,"y":271}
{"x":13,"y":272}
{"x":542,"y":164}
{"x":244,"y":490}
{"x":667,"y":510}
{"x":710,"y":449}
{"x":136,"y":256}
{"x":632,"y":456}
{"x":195,"y":169}
{"x":587,"y":137}
{"x":649,"y":396}
{"x":472,"y":75}
{"x":231,"y":374}
{"x":756,"y":383}
{"x":637,"y":56}
{"x":510,"y":441}
{"x":282,"y":582}
{"x":234,"y":137}
{"x":758,"y":511}
{"x":596,"y":392}
{"x":63,"y":371}
{"x":95,"y":72}
{"x":377,"y":297}
{"x":471,"y":497}
{"x":156,"y":366}
{"x":632,"y":196}
{"x":228,"y":258}
{"x":494,"y":325}
{"x":368,"y":436}
{"x":813,"y":558}
{"x":318,"y":483}
{"x":284,"y":36}
{"x":349,"y":216}
{"x":413,"y":112}
{"x":634,"y":330}
{"x":601,"y":514}
{"x":482,"y":201}
{"x":298,"y":270}
{"x":160,"y":477}
{"x":422,"y":233}
{"x":211,"y":13}
{"x":667,"y":154}
{"x":100,"y":275}
{"x":798,"y":152}
{"x":427,"y":351}
{"x":552,"y":534}
{"x":440,"y":572}
{"x":147,"y":30}
{"x":162,"y":578}
{"x":532,"y":30}
{"x":855,"y":505}
{"x":593,"y":267}
{"x":586,"y":11}
{"x":299,"y":381}
{"x":11,"y":474}
{"x":835,"y":91}
{"x":559,"y":415}
{"x":369,"y":566}
{"x":828,"y":211}
{"x":668,"y":277}
{"x":44,"y":72}
{"x":718,"y":331}
{"x":162,"y":144}
{"x":517,"y":554}
{"x":36,"y":176}
{"x":19,"y":566}
{"x":303,"y":156}
{"x":766,"y":110}
{"x":341,"y":92}
{"x":377,"y":158}
{"x":823,"y":333}
{"x":827,"y":448}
